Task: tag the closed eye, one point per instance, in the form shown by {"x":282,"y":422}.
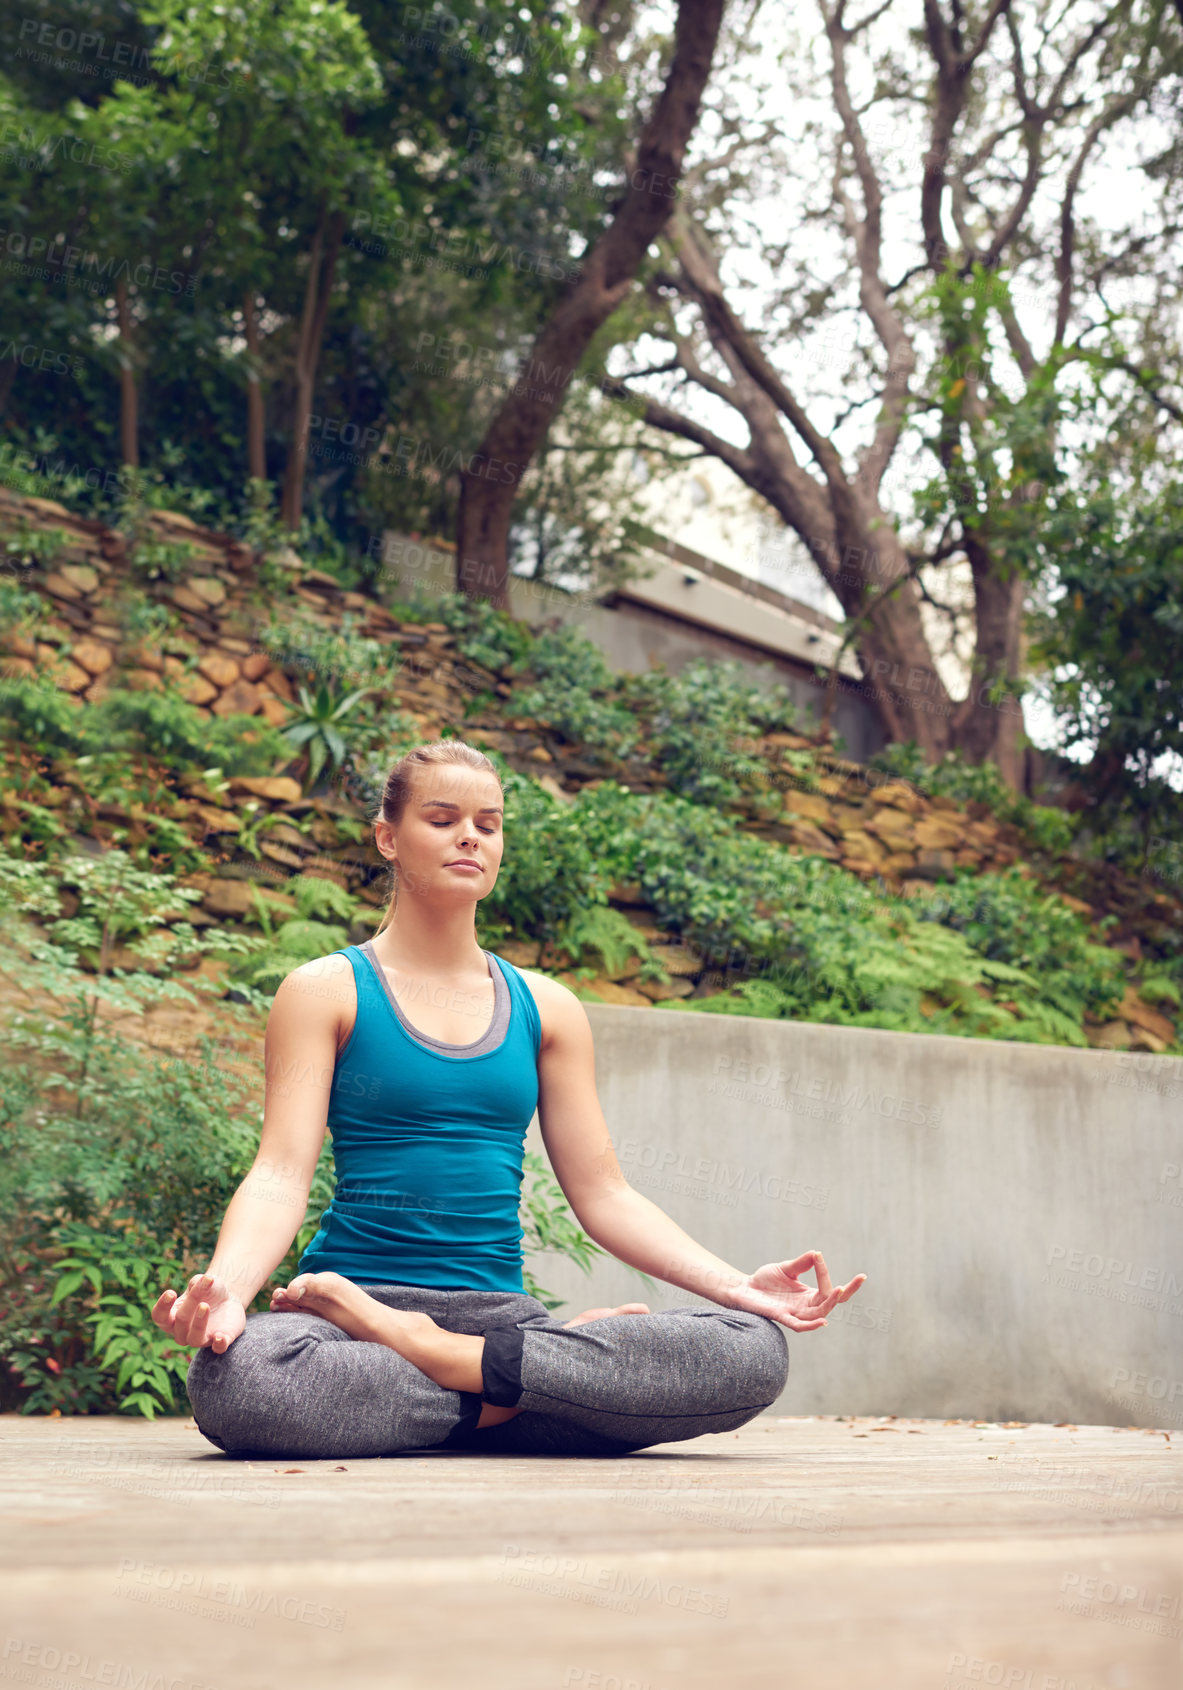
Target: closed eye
{"x":449,"y":824}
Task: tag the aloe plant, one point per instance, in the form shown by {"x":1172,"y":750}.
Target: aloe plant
{"x":316,"y":724}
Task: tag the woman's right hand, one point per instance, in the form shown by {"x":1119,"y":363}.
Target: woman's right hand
{"x":205,"y":1314}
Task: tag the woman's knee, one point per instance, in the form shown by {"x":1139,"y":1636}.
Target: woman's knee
{"x":240,"y":1397}
{"x":759,"y":1362}
{"x":296,"y":1385}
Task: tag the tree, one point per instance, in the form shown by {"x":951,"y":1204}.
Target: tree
{"x":302,"y":168}
{"x":608,"y":273}
{"x":976,"y":123}
{"x":1109,"y":631}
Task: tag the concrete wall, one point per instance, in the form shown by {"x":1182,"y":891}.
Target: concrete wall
{"x":1018,"y":1209}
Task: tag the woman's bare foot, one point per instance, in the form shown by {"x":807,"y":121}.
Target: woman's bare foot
{"x":452,"y":1359}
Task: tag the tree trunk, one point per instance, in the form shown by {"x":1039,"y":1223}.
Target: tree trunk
{"x":986,"y":726}
{"x":838,"y":515}
{"x":129,"y":428}
{"x":489,"y":483}
{"x":322,"y":264}
{"x":7,"y":377}
{"x":256,"y":456}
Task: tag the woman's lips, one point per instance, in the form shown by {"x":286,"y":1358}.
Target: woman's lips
{"x":474,"y":868}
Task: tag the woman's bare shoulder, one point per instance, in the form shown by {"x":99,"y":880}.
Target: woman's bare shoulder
{"x":558,"y":1007}
{"x":317,"y":991}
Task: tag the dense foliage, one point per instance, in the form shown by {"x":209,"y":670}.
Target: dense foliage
{"x":268,"y":191}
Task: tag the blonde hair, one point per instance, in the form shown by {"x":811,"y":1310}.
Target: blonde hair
{"x":400,"y":784}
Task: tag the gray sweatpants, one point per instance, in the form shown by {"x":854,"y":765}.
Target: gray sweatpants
{"x":293,"y":1384}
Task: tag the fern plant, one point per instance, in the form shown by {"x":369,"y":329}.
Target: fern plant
{"x":319,"y":925}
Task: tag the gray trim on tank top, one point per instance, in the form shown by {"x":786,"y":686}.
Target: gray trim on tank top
{"x":489,"y":1039}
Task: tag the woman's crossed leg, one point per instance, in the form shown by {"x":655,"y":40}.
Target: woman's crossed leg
{"x":355,"y":1371}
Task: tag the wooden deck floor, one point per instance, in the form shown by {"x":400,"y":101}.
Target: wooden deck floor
{"x":823,"y":1554}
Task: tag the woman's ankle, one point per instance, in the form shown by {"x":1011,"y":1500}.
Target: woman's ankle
{"x":451,"y":1359}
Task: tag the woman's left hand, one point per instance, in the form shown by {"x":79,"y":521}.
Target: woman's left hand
{"x":776,"y":1291}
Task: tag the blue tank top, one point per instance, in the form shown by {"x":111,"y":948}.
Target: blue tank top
{"x":428,"y":1143}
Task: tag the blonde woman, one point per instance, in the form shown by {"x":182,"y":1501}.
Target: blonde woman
{"x":407,"y":1326}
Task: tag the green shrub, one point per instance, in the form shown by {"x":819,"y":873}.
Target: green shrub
{"x":168,"y":728}
{"x":571,"y":694}
{"x":298,"y":939}
{"x":792,"y":935}
{"x":697,"y":723}
{"x":35,"y":713}
{"x":1010,"y":918}
{"x":484,"y":634}
{"x":161,"y":725}
{"x":564,"y":858}
{"x":20,"y":610}
{"x":1049,"y":829}
{"x":115,"y":1163}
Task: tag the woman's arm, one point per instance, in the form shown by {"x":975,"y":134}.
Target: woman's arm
{"x":264,"y":1215}
{"x":621,"y":1219}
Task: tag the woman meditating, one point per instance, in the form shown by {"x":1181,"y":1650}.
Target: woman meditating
{"x":407,"y":1326}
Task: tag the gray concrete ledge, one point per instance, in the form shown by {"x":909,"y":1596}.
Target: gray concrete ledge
{"x":1018,"y":1209}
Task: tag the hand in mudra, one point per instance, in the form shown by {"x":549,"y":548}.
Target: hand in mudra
{"x":205,"y":1314}
{"x":776,"y":1291}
